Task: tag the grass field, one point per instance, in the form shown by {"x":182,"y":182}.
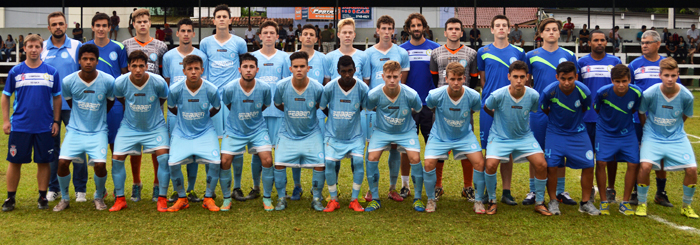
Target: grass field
{"x":395,"y":222}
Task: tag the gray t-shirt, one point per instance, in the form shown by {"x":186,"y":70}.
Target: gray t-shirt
{"x":9,"y":44}
{"x":516,"y":35}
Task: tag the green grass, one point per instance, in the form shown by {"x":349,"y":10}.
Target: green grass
{"x":395,"y":222}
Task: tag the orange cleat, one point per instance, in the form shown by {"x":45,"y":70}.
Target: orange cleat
{"x":119,"y":204}
{"x":355,"y":206}
{"x":209,"y":204}
{"x":162,"y":205}
{"x":331,"y":206}
{"x":182,"y":203}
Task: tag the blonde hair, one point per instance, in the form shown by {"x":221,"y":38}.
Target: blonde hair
{"x":346,"y":21}
{"x":390,"y":66}
{"x":140,"y":12}
{"x":34,"y":38}
{"x":668,"y":64}
{"x":455,"y":68}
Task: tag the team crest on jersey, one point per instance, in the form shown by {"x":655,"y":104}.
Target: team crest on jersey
{"x":311,"y":104}
{"x":279,"y":70}
{"x":316,"y":73}
{"x":47,"y":77}
{"x":463,"y":62}
{"x":473,"y":146}
{"x":258,"y":105}
{"x":412,"y":142}
{"x":404,"y":112}
{"x":205,"y":105}
{"x":357,"y":105}
{"x":610,"y":68}
{"x":113,"y":56}
{"x":589,"y":155}
{"x":159,"y":138}
{"x":153,"y":57}
{"x":629,"y":105}
{"x":623,"y":131}
{"x":103,"y":151}
{"x":605,"y":95}
{"x":465,"y":114}
{"x":562,"y":60}
{"x":64,"y":55}
{"x":100,"y":96}
{"x":512,"y":59}
{"x":152,"y":98}
{"x":578,"y":103}
{"x":13,"y":150}
{"x":677,"y":113}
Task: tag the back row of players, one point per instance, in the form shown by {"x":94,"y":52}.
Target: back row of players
{"x":295,"y":125}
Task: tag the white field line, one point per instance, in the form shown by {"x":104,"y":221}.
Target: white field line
{"x":696,"y":138}
{"x":675,"y":226}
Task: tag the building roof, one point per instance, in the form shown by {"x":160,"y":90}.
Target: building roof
{"x":484,"y":15}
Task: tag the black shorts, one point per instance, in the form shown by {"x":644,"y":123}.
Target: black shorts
{"x":424,"y":122}
{"x":20,"y":145}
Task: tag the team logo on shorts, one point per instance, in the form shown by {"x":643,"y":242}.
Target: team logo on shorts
{"x":64,"y":55}
{"x":13,"y":150}
{"x":113,"y":56}
{"x":311,"y":104}
{"x":159,"y":138}
{"x":320,"y":155}
{"x":205,"y":105}
{"x":512,"y":59}
{"x":589,"y":155}
{"x":535,"y":145}
{"x":463,"y":62}
{"x":473,"y":146}
{"x":103,"y":151}
{"x":266,"y":137}
{"x":215,"y":153}
{"x":100,"y":96}
{"x":629,"y":106}
{"x":562,"y":60}
{"x":258,"y":105}
{"x":404,"y":112}
{"x":153,"y":57}
{"x":686,"y":157}
{"x":152,"y":98}
{"x":412,"y":142}
{"x":578,"y":103}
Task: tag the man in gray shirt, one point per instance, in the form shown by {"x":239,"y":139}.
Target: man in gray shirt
{"x":516,"y":36}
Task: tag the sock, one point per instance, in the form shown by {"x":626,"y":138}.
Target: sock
{"x":688,"y":192}
{"x":281,"y":182}
{"x":41,"y":194}
{"x":506,"y":193}
{"x":438,"y":173}
{"x":64,"y":183}
{"x":212,"y":179}
{"x":331,"y":178}
{"x":491,"y":182}
{"x":237,"y":165}
{"x":118,"y":176}
{"x":479,"y":184}
{"x":540,"y":186}
{"x":642,"y":193}
{"x":337,"y":169}
{"x":404,"y":181}
{"x":256,"y":170}
{"x":417,"y":176}
{"x":178,"y":180}
{"x":533,"y":188}
{"x":318,"y":179}
{"x":164,"y":174}
{"x":660,"y":186}
{"x":99,"y":186}
{"x":296,"y":176}
{"x":358,"y":174}
{"x":583,"y":203}
{"x":225,"y":182}
{"x":268,"y":179}
{"x":373,"y":178}
{"x":394,"y":167}
{"x":192,"y":170}
{"x":561,"y":182}
{"x":11,"y":194}
{"x":429,"y":179}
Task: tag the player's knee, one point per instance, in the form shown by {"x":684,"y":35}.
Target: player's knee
{"x":279,"y":167}
{"x":62,"y":163}
{"x":119,"y":157}
{"x":540,"y":167}
{"x":414,"y":159}
{"x":691,"y":171}
{"x":601,"y":164}
{"x":330,"y":164}
{"x":100,"y":169}
{"x":491,"y":168}
{"x":645,"y":168}
{"x":429,"y":165}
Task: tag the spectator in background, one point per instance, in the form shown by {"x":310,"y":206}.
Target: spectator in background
{"x":10,"y":46}
{"x":297,"y":33}
{"x":250,"y":36}
{"x":160,"y":34}
{"x":538,"y":40}
{"x":78,"y":32}
{"x":169,"y":34}
{"x":131,"y":23}
{"x":318,"y":39}
{"x":475,"y":37}
{"x":652,"y":28}
{"x":672,"y":46}
{"x":428,"y":34}
{"x":614,"y":38}
{"x":327,"y":39}
{"x":584,"y":35}
{"x":639,"y":34}
{"x":20,"y":44}
{"x":282,"y":33}
{"x":2,"y":47}
{"x":115,"y":25}
{"x":376,"y":37}
{"x":230,"y":30}
{"x":291,"y":35}
{"x":692,"y":47}
{"x":682,"y":50}
{"x":464,"y":34}
{"x":693,"y":34}
{"x":404,"y":35}
{"x":516,"y":36}
{"x":597,"y":27}
{"x":665,"y":35}
{"x":568,"y":29}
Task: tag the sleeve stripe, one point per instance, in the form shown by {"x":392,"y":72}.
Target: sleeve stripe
{"x":434,"y":72}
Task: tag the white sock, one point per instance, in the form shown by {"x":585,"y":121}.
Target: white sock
{"x":404,"y":181}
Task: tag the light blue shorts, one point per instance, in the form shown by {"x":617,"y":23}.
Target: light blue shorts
{"x":172,"y":121}
{"x":220,"y":121}
{"x":336,"y":150}
{"x":520,"y":148}
{"x":677,"y":155}
{"x":76,"y":145}
{"x":367,"y":120}
{"x":273,"y":128}
{"x":303,"y":153}
{"x":619,"y":149}
{"x":130,"y":142}
{"x":321,"y":121}
{"x":204,"y":149}
{"x":437,"y":149}
{"x":381,"y":141}
{"x":233,"y":144}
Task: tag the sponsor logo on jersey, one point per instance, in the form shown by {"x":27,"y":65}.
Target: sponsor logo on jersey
{"x":268,"y":64}
{"x":345,"y":101}
{"x":667,"y":107}
{"x":664,"y":121}
{"x":299,"y":99}
{"x":455,"y":109}
{"x":394,"y":121}
{"x":383,"y":59}
{"x":454,"y":123}
{"x":139,"y":94}
{"x":140,"y":108}
{"x":393,"y":107}
{"x":193,"y":100}
{"x":248,"y":101}
{"x":516,"y":107}
{"x":88,"y":106}
{"x":248,"y":115}
{"x":222,"y":63}
{"x":343,"y":115}
{"x":221,"y":50}
{"x":88,"y":91}
{"x":192,"y":115}
{"x":299,"y":114}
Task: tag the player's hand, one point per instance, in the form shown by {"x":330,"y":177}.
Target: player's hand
{"x":6,"y":127}
{"x":54,"y":129}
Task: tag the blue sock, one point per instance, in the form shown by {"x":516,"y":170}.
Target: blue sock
{"x":268,"y":179}
{"x":331,"y":178}
{"x":479,"y":184}
{"x":281,"y":182}
{"x":296,"y":176}
{"x":118,"y":176}
{"x":178,"y":180}
{"x":237,"y":165}
{"x":164,"y":174}
{"x":660,"y":186}
{"x":99,"y":186}
{"x":318,"y":179}
{"x":256,"y":170}
{"x":192,"y":170}
{"x":225,"y":182}
{"x":212,"y":179}
{"x":358,"y":174}
{"x":491,"y":183}
{"x":533,"y":188}
{"x":64,"y":183}
{"x":540,"y":186}
{"x":688,"y":192}
{"x":337,"y":168}
{"x":642,"y":193}
{"x":394,"y":166}
{"x":429,"y":179}
{"x":417,"y":176}
{"x":373,"y":178}
{"x":561,"y":183}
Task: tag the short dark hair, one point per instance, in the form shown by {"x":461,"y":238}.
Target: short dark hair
{"x":385,"y":19}
{"x":620,"y":71}
{"x":453,"y":20}
{"x":566,"y":67}
{"x":185,"y":21}
{"x":137,"y":55}
{"x":309,"y":26}
{"x":644,"y":27}
{"x":499,"y":17}
{"x":596,"y":31}
{"x":248,"y":56}
{"x":518,"y":65}
{"x":223,"y":7}
{"x":299,"y":55}
{"x":101,"y":16}
{"x":548,"y":21}
{"x":56,"y":14}
{"x":191,"y":59}
{"x":269,"y":23}
{"x":346,"y":60}
{"x":89,"y":48}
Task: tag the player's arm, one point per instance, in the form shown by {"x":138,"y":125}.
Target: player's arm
{"x":404,"y":77}
{"x":167,"y":80}
{"x":488,"y":111}
{"x":280,"y":107}
{"x":6,"y":126}
{"x":56,"y":114}
{"x":121,"y":100}
{"x":482,"y":78}
{"x":70,"y":103}
{"x":213,"y":111}
{"x":643,"y":118}
{"x":173,"y":110}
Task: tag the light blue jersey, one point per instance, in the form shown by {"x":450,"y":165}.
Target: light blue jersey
{"x":272,"y":70}
{"x":665,"y":115}
{"x":394,"y":117}
{"x":595,"y":74}
{"x":344,"y":109}
{"x":89,"y":112}
{"x":511,"y":116}
{"x":317,"y":67}
{"x":222,"y":58}
{"x":193,"y":118}
{"x":246,"y":116}
{"x":362,"y":67}
{"x":300,"y":118}
{"x":64,"y":58}
{"x":615,"y":112}
{"x":143,"y":112}
{"x":377,"y":59}
{"x":452,"y":118}
{"x":566,"y":111}
{"x":172,"y":65}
